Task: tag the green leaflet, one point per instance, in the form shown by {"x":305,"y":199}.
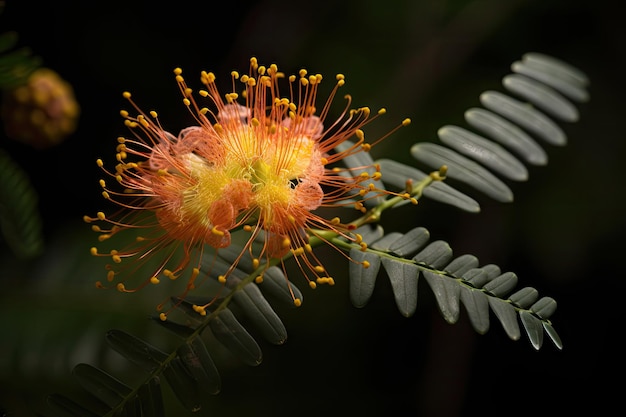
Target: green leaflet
{"x":142,"y":354}
{"x":525,"y":116}
{"x":403,"y":277}
{"x":199,"y":364}
{"x":541,"y":96}
{"x":358,"y":161}
{"x":261,"y":314}
{"x":151,"y":398}
{"x":477,"y":307}
{"x":544,"y":307}
{"x":507,"y":316}
{"x":447,"y":294}
{"x":410,"y":242}
{"x":276,"y":285}
{"x":486,"y":152}
{"x":185,"y":387}
{"x":362,"y":280}
{"x":106,"y":388}
{"x":508,"y":134}
{"x":437,"y":254}
{"x":501,"y":285}
{"x":524,"y":297}
{"x":533,"y":327}
{"x":462,"y":169}
{"x":396,"y":174}
{"x":462,"y":264}
{"x":227,"y":329}
{"x":553,"y":335}
{"x":555,"y":73}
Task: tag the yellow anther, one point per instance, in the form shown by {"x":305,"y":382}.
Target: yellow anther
{"x":259,"y":279}
{"x":105,"y":195}
{"x":154,"y":114}
{"x":297,"y":302}
{"x":255,"y":263}
{"x":382,"y":111}
{"x":363,"y":246}
{"x":100,"y":215}
{"x":110,"y":276}
{"x":335,"y":221}
{"x":358,"y":238}
{"x":154,"y":280}
{"x":93,"y":251}
{"x":163,"y":317}
{"x":186,"y":102}
{"x":377,"y":175}
{"x":116,"y":258}
{"x":200,"y":310}
{"x":217,"y":232}
{"x":126,"y":94}
{"x":221,"y":279}
{"x":312,"y":284}
{"x":365,"y":264}
{"x":366,"y":147}
{"x":178,"y":71}
{"x":286,"y":242}
{"x":406,"y":122}
{"x":99,"y":163}
{"x":120,"y":287}
{"x":234,"y":74}
{"x":318,"y":268}
{"x":359,"y":134}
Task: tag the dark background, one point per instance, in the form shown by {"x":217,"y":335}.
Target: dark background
{"x":428,"y":60}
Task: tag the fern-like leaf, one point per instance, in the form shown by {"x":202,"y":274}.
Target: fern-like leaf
{"x":456,"y":282}
{"x":513,"y":126}
{"x":20,"y":221}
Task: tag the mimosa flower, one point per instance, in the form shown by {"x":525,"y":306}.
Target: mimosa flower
{"x":257,"y":161}
{"x":42,"y":112}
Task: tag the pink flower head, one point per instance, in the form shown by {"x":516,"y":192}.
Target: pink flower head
{"x":256,"y":161}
